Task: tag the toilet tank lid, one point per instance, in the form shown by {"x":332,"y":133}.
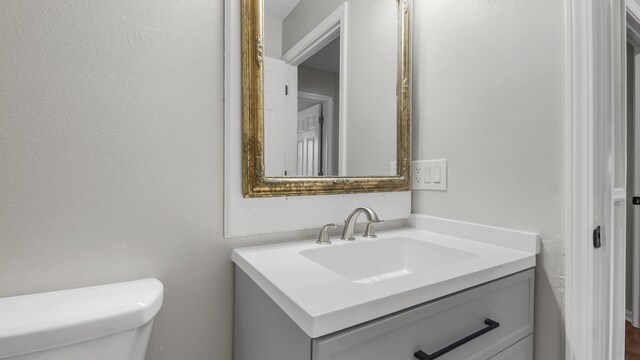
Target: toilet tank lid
{"x":42,"y":321}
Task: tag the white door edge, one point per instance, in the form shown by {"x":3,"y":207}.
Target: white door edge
{"x":595,"y":32}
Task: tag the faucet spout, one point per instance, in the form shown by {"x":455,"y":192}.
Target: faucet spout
{"x":350,"y":223}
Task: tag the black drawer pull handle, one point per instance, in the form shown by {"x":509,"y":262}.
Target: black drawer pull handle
{"x":491,"y":325}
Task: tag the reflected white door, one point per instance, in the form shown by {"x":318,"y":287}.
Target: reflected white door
{"x":280,"y":110}
{"x":275,"y":76}
{"x":308,"y":141}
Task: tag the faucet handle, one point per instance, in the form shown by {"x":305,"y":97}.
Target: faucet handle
{"x":370,"y":232}
{"x":323,"y":238}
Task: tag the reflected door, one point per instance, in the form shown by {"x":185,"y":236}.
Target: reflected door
{"x":275,"y":79}
{"x":280,"y":113}
{"x":308,"y":141}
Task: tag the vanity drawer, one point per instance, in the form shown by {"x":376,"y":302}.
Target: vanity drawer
{"x":435,"y":325}
{"x":522,"y":350}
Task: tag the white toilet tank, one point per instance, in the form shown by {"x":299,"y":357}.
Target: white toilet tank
{"x":109,"y":322}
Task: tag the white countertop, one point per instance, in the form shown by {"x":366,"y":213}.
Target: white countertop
{"x":321,"y":301}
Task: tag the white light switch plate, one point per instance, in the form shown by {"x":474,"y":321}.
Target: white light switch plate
{"x":429,"y":175}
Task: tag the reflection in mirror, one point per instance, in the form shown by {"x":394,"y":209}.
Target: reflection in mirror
{"x":330,"y":79}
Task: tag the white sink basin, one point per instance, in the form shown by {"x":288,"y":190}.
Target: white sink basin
{"x":384,"y":259}
{"x":327,"y":288}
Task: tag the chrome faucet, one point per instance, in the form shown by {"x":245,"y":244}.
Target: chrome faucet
{"x":323,"y":238}
{"x":350,"y":224}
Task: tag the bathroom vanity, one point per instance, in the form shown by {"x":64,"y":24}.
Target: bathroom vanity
{"x":436,"y":289}
{"x":439,"y":289}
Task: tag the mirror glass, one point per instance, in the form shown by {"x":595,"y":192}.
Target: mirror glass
{"x":330,"y":80}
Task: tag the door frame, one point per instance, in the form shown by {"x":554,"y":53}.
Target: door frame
{"x":633,"y":37}
{"x":594,"y":95}
{"x":327,"y":146}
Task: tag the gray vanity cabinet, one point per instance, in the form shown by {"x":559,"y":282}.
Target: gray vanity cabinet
{"x":522,"y":350}
{"x":263,"y":331}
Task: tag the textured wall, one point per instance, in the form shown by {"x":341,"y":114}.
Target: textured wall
{"x":111,"y":145}
{"x":489,"y":97}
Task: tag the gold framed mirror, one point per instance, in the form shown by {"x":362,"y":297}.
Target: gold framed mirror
{"x":313,"y":170}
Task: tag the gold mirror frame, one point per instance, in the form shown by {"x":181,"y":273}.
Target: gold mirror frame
{"x":254,"y":182}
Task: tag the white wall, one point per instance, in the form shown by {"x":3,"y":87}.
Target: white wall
{"x":111,"y":145}
{"x":316,"y":81}
{"x":272,"y":36}
{"x":303,"y":18}
{"x":371,"y":87}
{"x":489,"y":97}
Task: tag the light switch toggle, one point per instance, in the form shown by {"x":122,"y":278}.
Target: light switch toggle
{"x":437,"y":174}
{"x":427,"y":175}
